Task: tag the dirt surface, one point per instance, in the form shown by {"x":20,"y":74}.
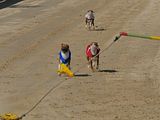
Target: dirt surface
{"x":127,"y":88}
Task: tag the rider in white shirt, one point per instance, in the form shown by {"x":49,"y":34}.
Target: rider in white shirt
{"x":90,"y":16}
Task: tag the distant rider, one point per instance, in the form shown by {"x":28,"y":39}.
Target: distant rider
{"x":90,"y":16}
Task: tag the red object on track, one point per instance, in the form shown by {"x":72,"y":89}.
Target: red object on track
{"x":123,"y":33}
{"x":88,"y":52}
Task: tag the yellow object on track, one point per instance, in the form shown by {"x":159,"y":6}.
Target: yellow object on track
{"x":9,"y":116}
{"x":140,"y":36}
{"x":155,"y":37}
{"x":63,"y":69}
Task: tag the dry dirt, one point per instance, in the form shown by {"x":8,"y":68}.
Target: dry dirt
{"x":127,"y":88}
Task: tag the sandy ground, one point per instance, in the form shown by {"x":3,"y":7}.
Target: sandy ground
{"x":127,"y":88}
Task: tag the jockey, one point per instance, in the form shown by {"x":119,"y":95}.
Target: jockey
{"x":93,"y":50}
{"x":65,"y":55}
{"x":90,"y":16}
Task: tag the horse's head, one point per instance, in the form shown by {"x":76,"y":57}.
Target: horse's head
{"x":64,"y":47}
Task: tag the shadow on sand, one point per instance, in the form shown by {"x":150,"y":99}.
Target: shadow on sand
{"x":8,"y":3}
{"x":24,"y":6}
{"x":81,"y":75}
{"x":99,"y":29}
{"x":109,"y":71}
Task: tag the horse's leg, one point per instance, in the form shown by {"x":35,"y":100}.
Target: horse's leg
{"x":91,"y":63}
{"x":97,"y":63}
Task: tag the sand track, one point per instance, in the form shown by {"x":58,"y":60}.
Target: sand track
{"x":126,"y":89}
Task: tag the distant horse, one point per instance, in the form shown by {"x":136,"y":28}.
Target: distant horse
{"x":90,"y":25}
